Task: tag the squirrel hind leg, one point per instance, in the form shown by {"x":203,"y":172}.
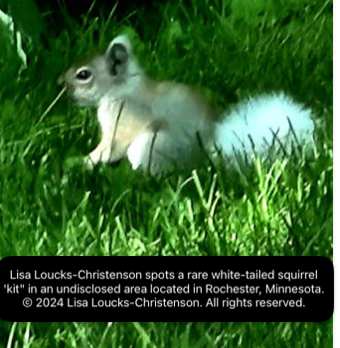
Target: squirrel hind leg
{"x":153,"y":152}
{"x":137,"y":150}
{"x":146,"y":153}
{"x":141,"y":150}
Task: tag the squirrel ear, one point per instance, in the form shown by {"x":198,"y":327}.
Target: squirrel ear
{"x":118,"y":54}
{"x":122,"y":40}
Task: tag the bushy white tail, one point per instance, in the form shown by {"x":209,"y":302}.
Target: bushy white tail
{"x":261,"y":123}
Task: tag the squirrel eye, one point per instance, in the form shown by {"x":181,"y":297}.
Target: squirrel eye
{"x":83,"y":74}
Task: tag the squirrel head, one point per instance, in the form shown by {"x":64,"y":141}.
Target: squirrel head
{"x":110,"y":73}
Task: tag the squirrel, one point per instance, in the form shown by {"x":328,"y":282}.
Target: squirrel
{"x":160,"y":126}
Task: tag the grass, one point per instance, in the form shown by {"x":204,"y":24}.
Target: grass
{"x":52,"y":206}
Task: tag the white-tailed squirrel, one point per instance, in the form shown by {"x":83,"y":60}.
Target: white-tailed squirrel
{"x":160,"y":126}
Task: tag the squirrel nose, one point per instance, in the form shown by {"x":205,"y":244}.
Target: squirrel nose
{"x":61,"y":80}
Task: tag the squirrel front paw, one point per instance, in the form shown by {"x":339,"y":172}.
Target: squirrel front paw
{"x":88,"y":163}
{"x":96,"y":156}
